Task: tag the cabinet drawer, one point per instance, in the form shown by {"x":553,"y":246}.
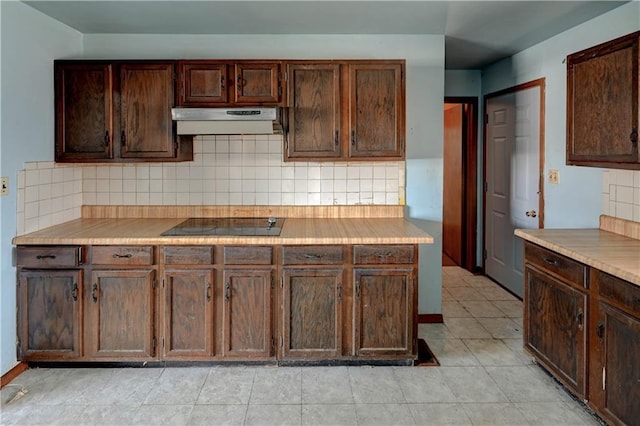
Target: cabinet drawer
{"x":49,"y":257}
{"x":312,"y":255}
{"x":248,"y":255}
{"x":188,"y":255}
{"x":619,"y":291}
{"x":381,"y":254}
{"x":122,"y":255}
{"x":562,"y":266}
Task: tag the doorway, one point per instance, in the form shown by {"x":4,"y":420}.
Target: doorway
{"x":513,"y":182}
{"x":459,"y":194}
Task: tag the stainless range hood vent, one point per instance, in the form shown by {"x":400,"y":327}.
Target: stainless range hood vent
{"x":227,"y":121}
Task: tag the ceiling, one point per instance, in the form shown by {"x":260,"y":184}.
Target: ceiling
{"x":477,"y":33}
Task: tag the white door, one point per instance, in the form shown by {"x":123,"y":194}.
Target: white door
{"x":513,"y":186}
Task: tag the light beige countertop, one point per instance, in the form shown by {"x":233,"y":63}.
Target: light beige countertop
{"x":137,"y":231}
{"x":616,"y":254}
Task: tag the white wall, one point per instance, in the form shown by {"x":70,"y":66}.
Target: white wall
{"x":30,"y":42}
{"x":576,"y":201}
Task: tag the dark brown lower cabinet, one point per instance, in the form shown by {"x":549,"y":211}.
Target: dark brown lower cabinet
{"x":312,"y":320}
{"x":246,"y":313}
{"x":188,"y":313}
{"x":120,"y":314}
{"x":619,"y":338}
{"x":383,"y":304}
{"x":554,"y":327}
{"x":49,"y":320}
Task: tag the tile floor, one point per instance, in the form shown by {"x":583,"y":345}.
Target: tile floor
{"x":484,"y":379}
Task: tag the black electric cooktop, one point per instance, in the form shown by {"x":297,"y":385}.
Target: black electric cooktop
{"x":241,"y":226}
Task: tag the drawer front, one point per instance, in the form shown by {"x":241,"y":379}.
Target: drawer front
{"x":620,"y":292}
{"x":49,"y":257}
{"x":248,"y":255}
{"x":312,"y":255}
{"x":383,"y":254}
{"x":569,"y":269}
{"x":188,"y":255}
{"x":122,"y":255}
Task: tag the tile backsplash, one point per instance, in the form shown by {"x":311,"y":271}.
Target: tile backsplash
{"x":227,"y":170}
{"x":621,"y":194}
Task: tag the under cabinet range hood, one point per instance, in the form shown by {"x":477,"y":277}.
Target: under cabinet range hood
{"x":227,"y":121}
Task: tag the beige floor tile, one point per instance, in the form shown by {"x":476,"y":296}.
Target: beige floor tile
{"x":473,"y":384}
{"x":554,"y":413}
{"x":174,"y":415}
{"x":422,"y":385}
{"x":384,"y":414}
{"x":218,"y":414}
{"x":452,"y":352}
{"x":495,"y":414}
{"x":492,"y":352}
{"x":273,"y":415}
{"x":454,"y":309}
{"x":511,"y":308}
{"x":433,"y":331}
{"x":482,"y":309}
{"x":439,"y":414}
{"x":329,"y":415}
{"x":467,"y":328}
{"x":502,"y":328}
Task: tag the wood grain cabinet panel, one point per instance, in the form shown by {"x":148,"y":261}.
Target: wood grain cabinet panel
{"x":575,"y":273}
{"x":554,"y":318}
{"x":84,"y":112}
{"x":49,"y":315}
{"x":384,"y":303}
{"x":247,"y":324}
{"x":120,"y":314}
{"x":146,"y":99}
{"x":619,"y":340}
{"x":188,"y":314}
{"x":377,"y":111}
{"x":312,"y":326}
{"x":314,"y":111}
{"x":602,"y":105}
{"x":257,"y":83}
{"x":122,"y":255}
{"x":203,"y":83}
{"x":45,"y":257}
{"x":384,"y":254}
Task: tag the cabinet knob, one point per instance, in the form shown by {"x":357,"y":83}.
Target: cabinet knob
{"x":94,"y":293}
{"x":74,"y":292}
{"x":227,"y":292}
{"x":579,"y":318}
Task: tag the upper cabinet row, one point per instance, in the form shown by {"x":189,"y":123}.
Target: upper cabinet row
{"x":121,"y":110}
{"x":602,"y":105}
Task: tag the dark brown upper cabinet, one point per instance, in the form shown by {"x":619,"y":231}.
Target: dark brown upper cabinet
{"x":116,"y":111}
{"x":345,"y":110}
{"x":376,"y":101}
{"x":211,"y":83}
{"x":314,"y":111}
{"x":602,"y":105}
{"x":84,"y":111}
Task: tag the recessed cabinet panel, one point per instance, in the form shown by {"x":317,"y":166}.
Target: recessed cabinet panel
{"x":602,"y":105}
{"x":50,"y":309}
{"x":555,"y":317}
{"x":121,"y":311}
{"x":314,"y":111}
{"x":257,"y":83}
{"x":204,"y":83}
{"x":188,"y":316}
{"x":376,"y":96}
{"x":146,"y":100}
{"x":84,"y":112}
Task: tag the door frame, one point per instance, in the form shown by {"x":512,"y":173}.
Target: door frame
{"x":470,"y":178}
{"x":541,"y":83}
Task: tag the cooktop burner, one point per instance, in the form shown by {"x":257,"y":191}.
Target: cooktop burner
{"x":240,"y":226}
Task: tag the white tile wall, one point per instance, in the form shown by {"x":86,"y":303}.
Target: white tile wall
{"x":48,"y":194}
{"x":244,"y":170}
{"x":621,"y":194}
{"x":227,"y":170}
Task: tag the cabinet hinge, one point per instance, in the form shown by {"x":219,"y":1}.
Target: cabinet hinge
{"x":18,"y":349}
{"x":163,"y":283}
{"x":486,"y":186}
{"x":486,"y":119}
{"x":153,"y":343}
{"x":175,"y":145}
{"x":162,"y":342}
{"x":281,"y":342}
{"x":154,"y":284}
{"x":286,"y":76}
{"x":484,"y":254}
{"x":281,"y":282}
{"x":604,"y":378}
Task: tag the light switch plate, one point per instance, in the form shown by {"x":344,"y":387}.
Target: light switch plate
{"x":4,"y":185}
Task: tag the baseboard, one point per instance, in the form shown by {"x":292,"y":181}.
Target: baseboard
{"x":13,"y":373}
{"x":430,"y":318}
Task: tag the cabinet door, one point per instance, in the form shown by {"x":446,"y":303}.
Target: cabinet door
{"x":554,"y":318}
{"x":120,"y":309}
{"x":203,"y":83}
{"x":84,"y":108}
{"x":377,"y":110}
{"x":314,"y":111}
{"x":312,"y":313}
{"x":619,"y":336}
{"x":257,"y":83}
{"x":384,"y":311}
{"x":188,"y":327}
{"x":246,"y":313}
{"x":49,"y":314}
{"x":146,"y":99}
{"x":602,"y":105}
